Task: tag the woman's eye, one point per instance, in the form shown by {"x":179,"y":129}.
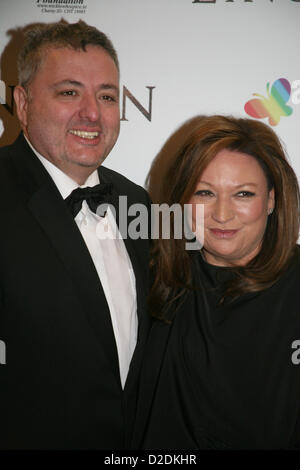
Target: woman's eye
{"x":245,"y":194}
{"x":204,"y":193}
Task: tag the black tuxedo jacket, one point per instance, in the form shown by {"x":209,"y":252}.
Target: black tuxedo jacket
{"x":60,"y":387}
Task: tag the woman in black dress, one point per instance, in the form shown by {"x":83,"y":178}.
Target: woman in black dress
{"x":222,"y":367}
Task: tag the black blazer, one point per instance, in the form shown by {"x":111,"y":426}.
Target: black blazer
{"x":60,"y":387}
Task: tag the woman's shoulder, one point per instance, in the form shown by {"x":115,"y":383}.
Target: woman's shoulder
{"x":289,"y":281}
{"x":293,"y":268}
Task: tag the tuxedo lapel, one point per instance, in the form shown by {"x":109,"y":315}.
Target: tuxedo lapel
{"x":137,"y":257}
{"x":48,"y":208}
{"x":131,"y":245}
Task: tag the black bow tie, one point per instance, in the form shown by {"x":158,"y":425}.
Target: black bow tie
{"x":95,"y":196}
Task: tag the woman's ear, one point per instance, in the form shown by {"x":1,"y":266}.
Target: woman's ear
{"x":271,"y":201}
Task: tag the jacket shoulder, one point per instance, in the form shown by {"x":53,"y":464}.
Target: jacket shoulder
{"x":8,"y":152}
{"x":5,"y":153}
{"x":6,"y":165}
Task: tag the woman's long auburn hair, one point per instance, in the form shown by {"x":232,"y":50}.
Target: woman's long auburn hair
{"x":171,"y":263}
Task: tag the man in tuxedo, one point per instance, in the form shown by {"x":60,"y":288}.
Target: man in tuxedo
{"x":72,"y":306}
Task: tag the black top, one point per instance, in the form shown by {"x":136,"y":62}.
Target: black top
{"x":223,"y":377}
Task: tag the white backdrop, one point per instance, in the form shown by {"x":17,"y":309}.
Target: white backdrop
{"x":201,"y":57}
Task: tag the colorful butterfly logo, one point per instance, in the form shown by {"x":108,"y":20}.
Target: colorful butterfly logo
{"x":273,"y":107}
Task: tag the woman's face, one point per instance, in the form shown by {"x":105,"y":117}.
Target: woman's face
{"x":234,"y":191}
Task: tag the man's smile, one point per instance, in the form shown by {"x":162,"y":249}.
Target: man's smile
{"x":84,"y":134}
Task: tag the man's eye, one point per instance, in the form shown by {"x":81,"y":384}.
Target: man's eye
{"x":204,"y":193}
{"x":68,"y":93}
{"x":245,"y":194}
{"x":108,"y":98}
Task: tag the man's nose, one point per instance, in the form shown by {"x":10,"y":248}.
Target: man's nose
{"x":90,"y":108}
{"x":223,"y":210}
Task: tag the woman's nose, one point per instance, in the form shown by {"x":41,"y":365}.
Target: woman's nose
{"x":223,"y":210}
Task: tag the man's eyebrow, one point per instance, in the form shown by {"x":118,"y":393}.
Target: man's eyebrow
{"x":110,"y":86}
{"x":67,"y":82}
{"x":103,"y":86}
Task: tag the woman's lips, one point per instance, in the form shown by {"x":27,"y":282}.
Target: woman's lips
{"x":223,"y":233}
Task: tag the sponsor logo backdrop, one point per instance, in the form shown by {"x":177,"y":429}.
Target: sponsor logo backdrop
{"x":178,"y":58}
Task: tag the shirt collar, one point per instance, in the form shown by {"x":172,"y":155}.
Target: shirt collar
{"x":64,"y":183}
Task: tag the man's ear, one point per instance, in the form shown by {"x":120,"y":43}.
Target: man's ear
{"x":21,"y":100}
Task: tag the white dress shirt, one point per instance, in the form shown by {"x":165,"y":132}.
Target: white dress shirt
{"x":111,"y":261}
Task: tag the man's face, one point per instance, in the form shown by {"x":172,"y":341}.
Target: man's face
{"x":70,"y":113}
